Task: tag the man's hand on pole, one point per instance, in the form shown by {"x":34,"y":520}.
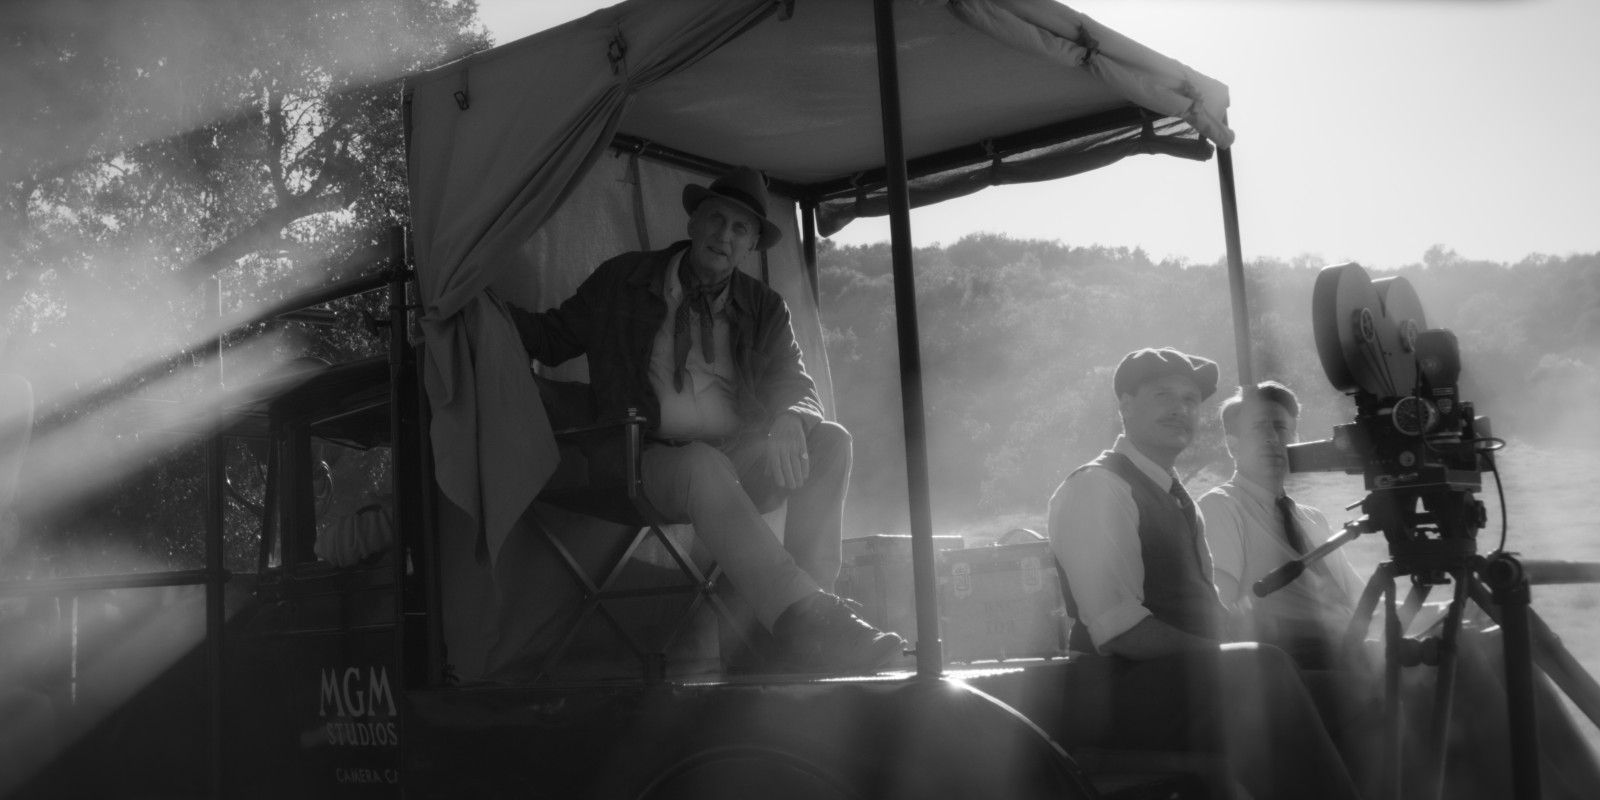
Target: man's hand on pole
{"x":787,"y":460}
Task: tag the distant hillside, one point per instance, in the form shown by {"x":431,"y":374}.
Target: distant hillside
{"x":1019,"y":338}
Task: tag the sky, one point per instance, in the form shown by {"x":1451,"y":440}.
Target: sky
{"x":1368,"y":131}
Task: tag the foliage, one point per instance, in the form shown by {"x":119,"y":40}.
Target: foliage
{"x":156,"y":147}
{"x":277,"y":150}
{"x":1019,"y":339}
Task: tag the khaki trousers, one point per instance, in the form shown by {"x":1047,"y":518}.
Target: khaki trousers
{"x":723,"y":491}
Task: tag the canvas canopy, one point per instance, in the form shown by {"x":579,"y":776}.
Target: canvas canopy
{"x":992,"y":91}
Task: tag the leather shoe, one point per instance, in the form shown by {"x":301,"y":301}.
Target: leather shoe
{"x":822,"y":634}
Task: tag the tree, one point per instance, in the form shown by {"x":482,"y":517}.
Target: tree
{"x":151,"y":148}
{"x":166,"y":143}
{"x":1019,"y":339}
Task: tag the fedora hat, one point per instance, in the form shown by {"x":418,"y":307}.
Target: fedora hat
{"x":743,"y":187}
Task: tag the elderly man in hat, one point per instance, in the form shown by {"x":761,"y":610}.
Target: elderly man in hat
{"x":707,"y":354}
{"x":1153,"y":672}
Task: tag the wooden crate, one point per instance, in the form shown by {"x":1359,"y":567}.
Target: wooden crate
{"x":1002,"y":602}
{"x":877,"y":574}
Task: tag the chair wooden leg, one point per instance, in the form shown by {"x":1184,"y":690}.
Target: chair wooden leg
{"x":706,"y":591}
{"x":701,"y":586}
{"x":593,"y":601}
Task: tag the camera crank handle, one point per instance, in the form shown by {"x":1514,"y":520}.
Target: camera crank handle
{"x":1284,"y":575}
{"x":1279,"y":578}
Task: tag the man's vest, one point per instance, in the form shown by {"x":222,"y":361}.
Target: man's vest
{"x":1177,"y":565}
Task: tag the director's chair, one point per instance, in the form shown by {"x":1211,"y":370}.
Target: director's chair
{"x":587,"y":482}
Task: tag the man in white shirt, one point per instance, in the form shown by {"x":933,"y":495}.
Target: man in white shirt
{"x":1253,"y":527}
{"x":1153,"y":672}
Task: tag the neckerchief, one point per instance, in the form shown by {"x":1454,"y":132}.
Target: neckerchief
{"x":698,"y":297}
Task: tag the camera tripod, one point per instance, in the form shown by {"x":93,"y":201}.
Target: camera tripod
{"x":1499,"y":584}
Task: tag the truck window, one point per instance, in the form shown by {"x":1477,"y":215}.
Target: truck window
{"x":244,"y":517}
{"x":352,"y":499}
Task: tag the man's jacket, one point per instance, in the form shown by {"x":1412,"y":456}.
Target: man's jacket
{"x":618,"y":310}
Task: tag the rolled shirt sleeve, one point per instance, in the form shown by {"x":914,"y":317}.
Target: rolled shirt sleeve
{"x":1094,"y":533}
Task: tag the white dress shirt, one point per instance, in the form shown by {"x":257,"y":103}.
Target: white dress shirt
{"x":1244,"y":529}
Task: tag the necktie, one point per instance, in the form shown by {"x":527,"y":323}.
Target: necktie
{"x":697,"y":297}
{"x":1297,"y":537}
{"x":1291,"y":529}
{"x":1185,"y":503}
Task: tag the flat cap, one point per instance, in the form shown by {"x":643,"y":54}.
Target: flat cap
{"x":1155,"y":362}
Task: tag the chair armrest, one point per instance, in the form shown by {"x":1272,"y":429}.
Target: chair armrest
{"x":600,"y":425}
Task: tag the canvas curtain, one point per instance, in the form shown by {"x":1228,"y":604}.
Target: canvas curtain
{"x":494,"y":149}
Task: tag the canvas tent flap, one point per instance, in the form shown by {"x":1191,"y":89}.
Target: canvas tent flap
{"x":499,"y":140}
{"x":495,"y":144}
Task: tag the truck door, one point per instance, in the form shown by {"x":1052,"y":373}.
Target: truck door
{"x":318,"y":661}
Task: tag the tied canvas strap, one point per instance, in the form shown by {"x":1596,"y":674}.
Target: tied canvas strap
{"x":697,"y":297}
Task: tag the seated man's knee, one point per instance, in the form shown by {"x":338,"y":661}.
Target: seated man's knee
{"x":1280,"y":676}
{"x":829,"y":440}
{"x":1268,"y":660}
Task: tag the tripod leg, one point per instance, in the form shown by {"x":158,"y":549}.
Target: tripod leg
{"x":1414,"y":600}
{"x":1393,"y":755}
{"x":1361,"y":619}
{"x":1505,"y":578}
{"x":1444,"y":684}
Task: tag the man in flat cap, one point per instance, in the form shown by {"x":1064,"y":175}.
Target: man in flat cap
{"x":707,"y":355}
{"x":1153,"y":672}
{"x":1124,"y":521}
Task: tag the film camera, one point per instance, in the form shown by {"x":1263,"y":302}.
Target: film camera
{"x":1422,"y":453}
{"x":1418,"y":444}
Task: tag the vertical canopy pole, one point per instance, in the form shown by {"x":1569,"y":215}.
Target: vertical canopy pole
{"x":418,"y":615}
{"x":1230,"y":226}
{"x":216,"y":576}
{"x":930,"y":654}
{"x":808,"y":244}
